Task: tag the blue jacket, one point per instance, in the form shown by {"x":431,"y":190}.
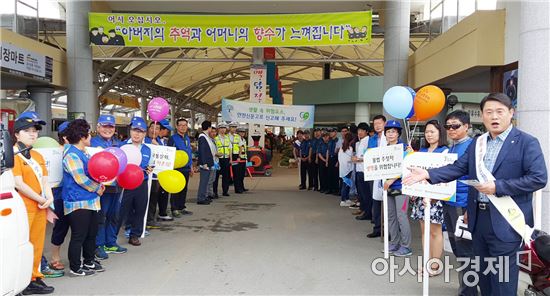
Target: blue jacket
{"x":373,"y":141}
{"x":184,"y":144}
{"x":145,"y":158}
{"x":98,"y":141}
{"x":205,"y":154}
{"x":332,"y":147}
{"x":71,"y":190}
{"x":304,"y":148}
{"x":315,"y":145}
{"x":520,"y":170}
{"x":461,"y":188}
{"x":322,"y":148}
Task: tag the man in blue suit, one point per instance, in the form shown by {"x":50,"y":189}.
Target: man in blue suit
{"x":516,"y":161}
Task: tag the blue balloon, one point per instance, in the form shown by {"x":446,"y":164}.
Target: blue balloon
{"x":413,"y":93}
{"x":398,"y":102}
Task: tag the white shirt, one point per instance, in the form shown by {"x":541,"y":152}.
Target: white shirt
{"x":360,"y":149}
{"x":345,"y":165}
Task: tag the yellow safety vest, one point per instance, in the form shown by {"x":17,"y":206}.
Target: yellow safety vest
{"x":224,"y":147}
{"x":235,"y":143}
{"x":244,"y":154}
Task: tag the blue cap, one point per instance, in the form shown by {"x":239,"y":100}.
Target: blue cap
{"x":166,"y":124}
{"x":32,"y":115}
{"x":106,"y":120}
{"x":138,"y":123}
{"x":392,"y":124}
{"x":63,"y":126}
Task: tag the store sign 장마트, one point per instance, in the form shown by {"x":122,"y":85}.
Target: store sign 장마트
{"x":21,"y":62}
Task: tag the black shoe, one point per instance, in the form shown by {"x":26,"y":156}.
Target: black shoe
{"x":226,"y":194}
{"x":239,"y":192}
{"x":216,"y":196}
{"x":37,"y":287}
{"x":213,"y":197}
{"x":374,"y":234}
{"x":309,"y":188}
{"x":363,"y":217}
{"x":245,"y":190}
{"x":186,"y":212}
{"x":328,"y":192}
{"x":302,"y":187}
{"x":82,"y":272}
{"x":203,"y":202}
{"x":315,"y":189}
{"x":93,"y":266}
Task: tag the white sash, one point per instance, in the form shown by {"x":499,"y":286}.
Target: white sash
{"x":505,"y":205}
{"x":35,"y":166}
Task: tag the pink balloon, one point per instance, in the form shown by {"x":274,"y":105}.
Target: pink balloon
{"x":158,"y":108}
{"x":133,"y":155}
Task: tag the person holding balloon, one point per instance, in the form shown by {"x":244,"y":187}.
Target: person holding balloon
{"x":81,"y":200}
{"x":110,"y":202}
{"x":398,"y":222}
{"x":184,"y":165}
{"x":135,"y":196}
{"x":31,"y":181}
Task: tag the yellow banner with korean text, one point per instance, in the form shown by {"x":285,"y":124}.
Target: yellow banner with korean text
{"x":275,"y":30}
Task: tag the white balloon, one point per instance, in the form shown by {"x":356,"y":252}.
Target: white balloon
{"x":133,"y":154}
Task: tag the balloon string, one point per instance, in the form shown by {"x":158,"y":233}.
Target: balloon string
{"x":414,"y":129}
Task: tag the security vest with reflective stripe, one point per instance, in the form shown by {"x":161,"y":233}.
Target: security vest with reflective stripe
{"x":235,"y":143}
{"x":243,"y":154}
{"x":224,"y":146}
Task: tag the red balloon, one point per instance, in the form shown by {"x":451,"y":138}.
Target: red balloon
{"x":131,"y":178}
{"x":103,"y":166}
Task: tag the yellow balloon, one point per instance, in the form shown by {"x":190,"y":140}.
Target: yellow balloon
{"x":181,"y":159}
{"x":172,"y":181}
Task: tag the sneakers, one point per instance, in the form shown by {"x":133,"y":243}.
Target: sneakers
{"x":93,"y":266}
{"x":82,"y":272}
{"x":346,"y":203}
{"x":392,"y":248}
{"x":176,"y":214}
{"x":100,"y":253}
{"x":52,"y":273}
{"x":116,"y":249}
{"x":127,"y":233}
{"x":186,"y":212}
{"x":166,"y":218}
{"x":153,"y":225}
{"x":147,"y":233}
{"x":403,"y":252}
{"x":37,"y":287}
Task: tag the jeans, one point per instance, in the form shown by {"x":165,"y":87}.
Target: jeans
{"x":344,"y":192}
{"x":83,"y":237}
{"x":203,"y":184}
{"x":365,"y":194}
{"x":211,"y":180}
{"x":398,"y":220}
{"x":108,"y":219}
{"x":377,"y":216}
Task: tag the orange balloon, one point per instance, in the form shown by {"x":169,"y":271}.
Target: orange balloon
{"x":428,"y":102}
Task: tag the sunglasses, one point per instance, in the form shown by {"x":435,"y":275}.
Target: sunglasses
{"x":452,"y":126}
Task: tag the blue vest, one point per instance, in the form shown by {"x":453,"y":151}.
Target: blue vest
{"x":148,"y":140}
{"x":183,"y":143}
{"x":373,"y":141}
{"x":332,"y":147}
{"x":461,"y":189}
{"x":315,"y":145}
{"x":98,"y":141}
{"x":304,"y":148}
{"x":145,"y":158}
{"x":397,"y":183}
{"x":323,"y":147}
{"x":71,"y":190}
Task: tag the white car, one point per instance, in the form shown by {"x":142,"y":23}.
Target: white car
{"x":16,"y":252}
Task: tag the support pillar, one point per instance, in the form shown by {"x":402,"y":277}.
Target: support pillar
{"x":534,"y":82}
{"x":42,"y":98}
{"x":81,"y":95}
{"x":362,"y":112}
{"x":173,"y":117}
{"x":192,"y":120}
{"x":396,"y":43}
{"x":143,"y":108}
{"x":257,"y":59}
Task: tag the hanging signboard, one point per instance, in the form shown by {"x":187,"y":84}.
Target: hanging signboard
{"x":383,"y":162}
{"x":275,"y":30}
{"x":300,"y":116}
{"x":21,"y":62}
{"x":425,"y":160}
{"x":258,"y":83}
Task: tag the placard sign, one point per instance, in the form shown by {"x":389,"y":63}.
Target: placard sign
{"x":54,"y":164}
{"x":162,"y":157}
{"x":383,"y":162}
{"x":426,"y":160}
